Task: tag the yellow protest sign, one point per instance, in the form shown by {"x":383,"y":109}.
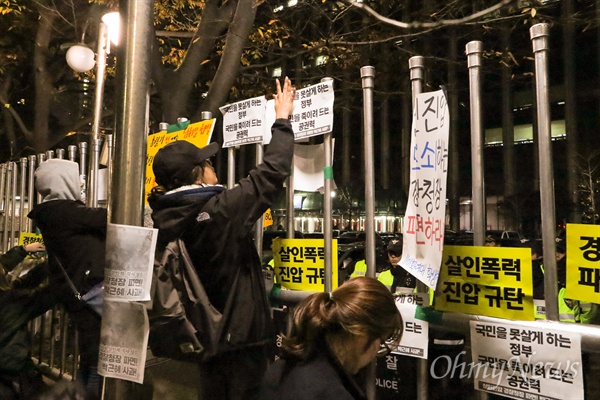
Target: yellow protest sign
{"x":300,"y":264}
{"x":26,"y":238}
{"x":267,"y":218}
{"x":583,"y":262}
{"x":198,"y":133}
{"x":491,"y":281}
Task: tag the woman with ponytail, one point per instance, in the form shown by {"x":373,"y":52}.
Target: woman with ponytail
{"x":333,"y":337}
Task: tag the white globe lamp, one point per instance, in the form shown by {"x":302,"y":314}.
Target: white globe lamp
{"x":80,"y":58}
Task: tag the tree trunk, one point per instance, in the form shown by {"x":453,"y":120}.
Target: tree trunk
{"x":44,"y":91}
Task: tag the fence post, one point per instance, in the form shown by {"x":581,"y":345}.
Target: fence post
{"x":539,"y":39}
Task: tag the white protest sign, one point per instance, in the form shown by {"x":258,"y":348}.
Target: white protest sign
{"x":424,"y":219}
{"x":526,"y":363}
{"x":123,"y":341}
{"x":415,"y":332}
{"x":313,"y":110}
{"x":244,"y":122}
{"x":129,"y":262}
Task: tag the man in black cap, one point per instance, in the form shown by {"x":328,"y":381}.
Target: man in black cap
{"x":216,"y":225}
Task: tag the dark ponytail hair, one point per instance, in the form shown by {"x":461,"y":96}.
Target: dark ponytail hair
{"x":361,"y":306}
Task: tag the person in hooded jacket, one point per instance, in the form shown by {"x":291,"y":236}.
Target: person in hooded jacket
{"x":216,"y":226}
{"x":75,"y":236}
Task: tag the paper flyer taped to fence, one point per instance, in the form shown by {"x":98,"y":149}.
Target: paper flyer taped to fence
{"x":123,"y":341}
{"x":244,"y":122}
{"x":526,"y":362}
{"x":129,"y":262}
{"x":415,"y":332}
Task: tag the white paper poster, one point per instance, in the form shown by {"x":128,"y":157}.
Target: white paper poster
{"x":244,"y":122}
{"x":309,"y":165}
{"x":123,"y":341}
{"x":424,"y":219}
{"x":526,"y":363}
{"x":415,"y":332}
{"x":129,"y":262}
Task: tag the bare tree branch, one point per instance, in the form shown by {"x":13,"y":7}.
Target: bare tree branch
{"x":428,"y":25}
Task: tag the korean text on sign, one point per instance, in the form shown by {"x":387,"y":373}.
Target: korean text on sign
{"x":244,"y":122}
{"x":426,"y":207}
{"x":526,"y":362}
{"x":492,"y":281}
{"x":583,"y":262}
{"x":313,"y":110}
{"x":300,"y":263}
{"x":198,"y":133}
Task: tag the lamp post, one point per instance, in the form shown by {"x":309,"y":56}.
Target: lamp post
{"x":81,"y":59}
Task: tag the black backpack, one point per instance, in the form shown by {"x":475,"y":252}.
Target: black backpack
{"x":184,"y":325}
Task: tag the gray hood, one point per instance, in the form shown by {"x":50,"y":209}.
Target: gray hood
{"x":58,"y":179}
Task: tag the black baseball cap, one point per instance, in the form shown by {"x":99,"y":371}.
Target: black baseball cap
{"x":174,"y":162}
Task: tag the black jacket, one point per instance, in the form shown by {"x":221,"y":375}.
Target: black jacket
{"x":76,"y":234}
{"x":216,"y":226}
{"x":318,"y":378}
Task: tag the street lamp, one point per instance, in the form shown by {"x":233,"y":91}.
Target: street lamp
{"x":81,"y":59}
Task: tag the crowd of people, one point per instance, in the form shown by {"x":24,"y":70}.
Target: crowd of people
{"x":333,"y":336}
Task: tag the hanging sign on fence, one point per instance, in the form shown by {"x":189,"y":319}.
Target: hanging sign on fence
{"x":244,"y":122}
{"x":198,"y":133}
{"x":424,"y":220}
{"x":491,"y":281}
{"x":526,"y":363}
{"x":583,"y":262}
{"x":300,"y":264}
{"x":415,"y":332}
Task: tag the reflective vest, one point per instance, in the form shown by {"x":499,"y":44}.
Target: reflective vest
{"x":566,"y":307}
{"x":387,"y":279}
{"x":360,"y":269}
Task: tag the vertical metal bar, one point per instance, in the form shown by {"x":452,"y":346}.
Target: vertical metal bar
{"x":7,"y":206}
{"x":110,"y":148}
{"x":14,"y":218}
{"x":133,"y":76}
{"x":64,"y":332}
{"x":3,"y":173}
{"x":126,"y":203}
{"x":230,"y":167}
{"x":367,"y":75}
{"x":60,"y":153}
{"x":416,"y":66}
{"x":289,"y":222}
{"x":539,"y":39}
{"x":258,"y":226}
{"x":96,"y":139}
{"x":72,"y":149}
{"x":22,"y":194}
{"x":40,"y":158}
{"x":327,"y":205}
{"x":474,"y":51}
{"x":83,"y":151}
{"x":50,"y":154}
{"x":31,"y":190}
{"x":3,"y":168}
